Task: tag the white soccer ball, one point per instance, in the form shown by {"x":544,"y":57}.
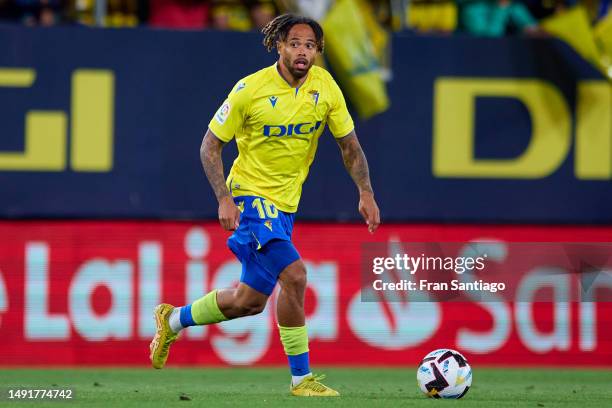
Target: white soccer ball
{"x":444,"y":373}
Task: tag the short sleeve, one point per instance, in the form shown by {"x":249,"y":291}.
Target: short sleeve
{"x":231,"y":115}
{"x":338,"y":118}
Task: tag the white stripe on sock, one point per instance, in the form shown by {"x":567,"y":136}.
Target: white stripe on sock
{"x":175,"y":320}
{"x":296,"y":379}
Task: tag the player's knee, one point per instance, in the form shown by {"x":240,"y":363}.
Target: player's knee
{"x":294,"y":277}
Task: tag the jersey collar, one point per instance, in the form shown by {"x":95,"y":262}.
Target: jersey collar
{"x":280,"y":81}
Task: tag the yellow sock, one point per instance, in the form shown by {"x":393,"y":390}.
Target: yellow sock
{"x":295,"y":342}
{"x":206,"y":310}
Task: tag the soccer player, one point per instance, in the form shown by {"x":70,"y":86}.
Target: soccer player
{"x":276,"y":115}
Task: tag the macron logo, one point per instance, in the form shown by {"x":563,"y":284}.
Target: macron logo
{"x":273,"y":100}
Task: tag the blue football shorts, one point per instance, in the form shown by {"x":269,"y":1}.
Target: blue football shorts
{"x":262,"y":242}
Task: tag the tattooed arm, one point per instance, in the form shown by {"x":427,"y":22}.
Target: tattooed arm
{"x":210,"y":155}
{"x":357,"y":166}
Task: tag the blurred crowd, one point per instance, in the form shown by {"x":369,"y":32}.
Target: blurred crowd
{"x":478,"y":17}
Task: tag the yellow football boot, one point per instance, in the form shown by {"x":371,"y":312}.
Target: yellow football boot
{"x":164,"y":336}
{"x":312,"y":387}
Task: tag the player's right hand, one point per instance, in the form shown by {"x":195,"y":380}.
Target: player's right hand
{"x":229,"y":214}
{"x":369,"y":210}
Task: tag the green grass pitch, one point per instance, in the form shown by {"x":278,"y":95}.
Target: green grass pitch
{"x":266,"y":387}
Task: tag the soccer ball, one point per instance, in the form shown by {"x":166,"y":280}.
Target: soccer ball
{"x":444,"y":373}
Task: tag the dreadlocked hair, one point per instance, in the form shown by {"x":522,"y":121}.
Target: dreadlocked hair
{"x":278,"y":29}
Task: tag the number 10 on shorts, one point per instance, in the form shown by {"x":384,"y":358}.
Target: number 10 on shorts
{"x":264,"y":208}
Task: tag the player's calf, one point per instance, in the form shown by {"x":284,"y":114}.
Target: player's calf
{"x":248,"y":307}
{"x":240,"y":302}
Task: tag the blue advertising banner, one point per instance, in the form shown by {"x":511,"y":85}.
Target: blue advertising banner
{"x":108,"y":124}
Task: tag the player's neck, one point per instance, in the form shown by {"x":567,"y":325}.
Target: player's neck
{"x":290,"y":79}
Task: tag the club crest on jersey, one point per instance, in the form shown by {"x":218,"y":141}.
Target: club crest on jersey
{"x":315,"y":96}
{"x":268,"y":224}
{"x":223,"y":113}
{"x":273,"y":100}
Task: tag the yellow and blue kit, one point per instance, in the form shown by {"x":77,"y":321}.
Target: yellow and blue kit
{"x":277,"y":128}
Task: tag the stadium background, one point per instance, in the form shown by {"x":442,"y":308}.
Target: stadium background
{"x":106,"y":212}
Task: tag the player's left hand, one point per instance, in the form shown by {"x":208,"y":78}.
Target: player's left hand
{"x":369,"y":210}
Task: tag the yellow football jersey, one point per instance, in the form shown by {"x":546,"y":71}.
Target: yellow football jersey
{"x":277,"y":129}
